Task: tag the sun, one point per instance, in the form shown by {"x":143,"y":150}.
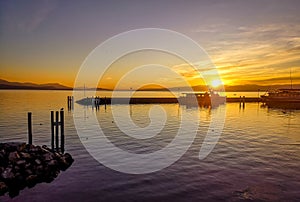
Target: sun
{"x":216,"y":83}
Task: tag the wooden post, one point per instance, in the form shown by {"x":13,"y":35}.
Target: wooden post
{"x":52,"y":130}
{"x":29,"y":128}
{"x":56,"y":131}
{"x":243,"y":101}
{"x":105,"y":102}
{"x":240,"y":101}
{"x":70,"y":102}
{"x":62,"y":132}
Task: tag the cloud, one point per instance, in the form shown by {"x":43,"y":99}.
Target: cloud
{"x":25,"y":16}
{"x":258,"y":53}
{"x":253,"y":54}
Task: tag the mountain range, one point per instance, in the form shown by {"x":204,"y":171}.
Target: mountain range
{"x":32,"y":86}
{"x":56,"y":86}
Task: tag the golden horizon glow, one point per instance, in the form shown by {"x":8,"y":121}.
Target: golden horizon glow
{"x":37,"y":47}
{"x":216,"y":83}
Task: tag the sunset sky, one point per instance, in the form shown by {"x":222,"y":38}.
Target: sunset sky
{"x":250,"y":42}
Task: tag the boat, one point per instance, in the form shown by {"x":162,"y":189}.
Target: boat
{"x":210,"y":98}
{"x":282,"y":98}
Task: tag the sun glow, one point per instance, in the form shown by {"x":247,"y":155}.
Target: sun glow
{"x":216,"y":83}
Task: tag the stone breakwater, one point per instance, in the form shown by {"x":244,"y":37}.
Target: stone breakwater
{"x":23,"y":165}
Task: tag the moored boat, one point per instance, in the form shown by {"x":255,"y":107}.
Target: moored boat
{"x":283,"y":98}
{"x":210,"y":98}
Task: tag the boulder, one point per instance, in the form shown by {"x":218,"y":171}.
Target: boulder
{"x":13,"y":156}
{"x":7,"y":174}
{"x":3,"y":188}
{"x":24,"y":165}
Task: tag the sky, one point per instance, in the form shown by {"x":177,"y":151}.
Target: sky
{"x":250,"y":42}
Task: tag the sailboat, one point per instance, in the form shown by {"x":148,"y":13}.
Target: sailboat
{"x":286,"y":98}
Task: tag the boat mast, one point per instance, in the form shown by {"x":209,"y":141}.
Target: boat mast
{"x":291,"y":78}
{"x":84,"y":90}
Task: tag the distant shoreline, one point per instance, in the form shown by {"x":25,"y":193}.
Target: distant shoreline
{"x":7,"y":85}
{"x":144,"y":90}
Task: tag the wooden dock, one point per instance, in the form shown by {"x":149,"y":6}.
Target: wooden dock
{"x":246,"y":99}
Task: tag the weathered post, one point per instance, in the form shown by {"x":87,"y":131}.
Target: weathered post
{"x":62,"y":131}
{"x":243,"y":101}
{"x":52,"y":130}
{"x":240,"y":101}
{"x":29,"y":128}
{"x":56,"y":131}
{"x":70,"y":102}
{"x":105,"y":102}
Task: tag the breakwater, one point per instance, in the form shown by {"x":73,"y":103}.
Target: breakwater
{"x":24,"y":165}
{"x":104,"y":101}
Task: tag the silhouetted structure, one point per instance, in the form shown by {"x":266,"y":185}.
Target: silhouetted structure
{"x":55,"y":131}
{"x":70,"y":102}
{"x":282,"y":98}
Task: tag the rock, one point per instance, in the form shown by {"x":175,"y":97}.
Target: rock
{"x":21,"y":147}
{"x":21,"y":162}
{"x":31,"y":180}
{"x":65,"y":161}
{"x":13,"y":156}
{"x":25,"y":155}
{"x":68,"y":158}
{"x":35,"y":149}
{"x":52,"y":163}
{"x":16,"y":168}
{"x":24,"y":165}
{"x":27,"y":165}
{"x":38,"y":161}
{"x":9,"y":147}
{"x":3,"y":188}
{"x":2,"y":159}
{"x":46,"y":149}
{"x":48,"y":156}
{"x":28,"y":172}
{"x":7,"y":174}
{"x":39,"y":170}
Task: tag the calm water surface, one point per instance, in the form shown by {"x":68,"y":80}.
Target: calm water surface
{"x":259,"y":147}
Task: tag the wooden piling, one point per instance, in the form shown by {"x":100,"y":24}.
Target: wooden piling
{"x":62,"y":131}
{"x":70,"y":101}
{"x":52,"y":130}
{"x":29,"y":128}
{"x":56,"y":131}
{"x":240,"y":101}
{"x":243,"y":101}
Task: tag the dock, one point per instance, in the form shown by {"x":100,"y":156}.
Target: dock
{"x":165,"y":100}
{"x":246,"y":99}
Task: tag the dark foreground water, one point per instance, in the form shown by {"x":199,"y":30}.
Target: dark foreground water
{"x":259,"y":150}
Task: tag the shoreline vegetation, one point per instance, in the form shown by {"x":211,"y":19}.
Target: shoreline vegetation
{"x":7,"y":85}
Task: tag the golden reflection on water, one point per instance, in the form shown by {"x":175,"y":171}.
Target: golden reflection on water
{"x":257,"y":145}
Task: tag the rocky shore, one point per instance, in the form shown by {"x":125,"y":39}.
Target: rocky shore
{"x":23,"y":165}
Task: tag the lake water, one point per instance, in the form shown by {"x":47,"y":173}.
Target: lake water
{"x":259,"y":149}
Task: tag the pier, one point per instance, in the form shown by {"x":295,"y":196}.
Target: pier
{"x":167,"y":100}
{"x":244,"y":99}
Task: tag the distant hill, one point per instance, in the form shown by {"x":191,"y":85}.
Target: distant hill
{"x":56,"y":86}
{"x":32,"y":86}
